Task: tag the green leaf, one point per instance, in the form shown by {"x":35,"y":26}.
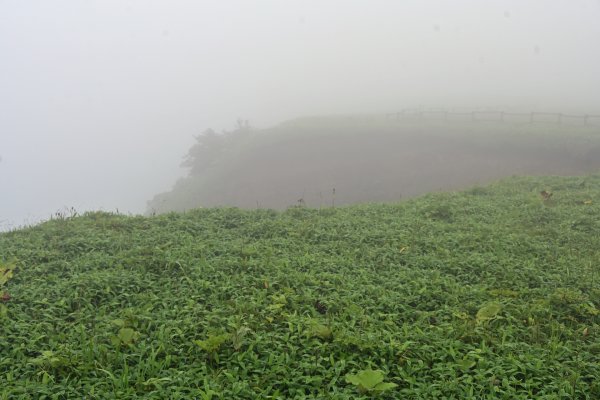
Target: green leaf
{"x":488,"y":311}
{"x":367,"y":378}
{"x":212,"y":343}
{"x":322,"y":332}
{"x":50,"y":359}
{"x":237,"y":337}
{"x":466,"y":364}
{"x":383,"y":386}
{"x":127,"y":335}
{"x":6,"y":272}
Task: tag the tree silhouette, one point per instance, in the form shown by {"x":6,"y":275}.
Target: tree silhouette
{"x":210,"y":146}
{"x":204,"y":153}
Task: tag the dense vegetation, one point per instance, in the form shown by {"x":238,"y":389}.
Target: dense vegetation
{"x":491,"y":293}
{"x":369,"y":158}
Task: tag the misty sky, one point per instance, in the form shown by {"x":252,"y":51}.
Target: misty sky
{"x":99,"y":100}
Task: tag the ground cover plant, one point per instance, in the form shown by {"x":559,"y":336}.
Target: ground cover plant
{"x":489,"y":293}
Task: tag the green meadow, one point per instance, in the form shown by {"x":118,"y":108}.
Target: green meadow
{"x":488,"y":293}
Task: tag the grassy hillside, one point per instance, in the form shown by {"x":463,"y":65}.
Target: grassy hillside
{"x":370,"y":158}
{"x":491,"y":293}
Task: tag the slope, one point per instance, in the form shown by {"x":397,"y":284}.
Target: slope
{"x":493,"y":292}
{"x":368,"y":159}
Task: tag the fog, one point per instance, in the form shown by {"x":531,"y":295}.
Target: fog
{"x":99,"y":100}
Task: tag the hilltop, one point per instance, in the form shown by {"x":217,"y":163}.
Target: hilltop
{"x":371,"y":158}
{"x":492,"y":292}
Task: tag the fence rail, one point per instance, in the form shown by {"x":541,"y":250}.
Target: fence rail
{"x":498,"y":116}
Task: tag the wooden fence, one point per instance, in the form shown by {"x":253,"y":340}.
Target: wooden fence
{"x":498,"y":116}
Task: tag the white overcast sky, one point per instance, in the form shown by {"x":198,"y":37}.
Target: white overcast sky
{"x":100,"y":99}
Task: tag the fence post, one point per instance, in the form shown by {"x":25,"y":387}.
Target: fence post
{"x":585,"y":120}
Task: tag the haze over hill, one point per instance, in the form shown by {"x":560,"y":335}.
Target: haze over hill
{"x":100,"y":99}
{"x":328,"y":161}
{"x":488,"y":292}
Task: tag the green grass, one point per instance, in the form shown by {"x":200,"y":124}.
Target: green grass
{"x":490,"y":293}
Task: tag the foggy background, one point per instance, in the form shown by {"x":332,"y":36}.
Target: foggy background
{"x":99,"y":100}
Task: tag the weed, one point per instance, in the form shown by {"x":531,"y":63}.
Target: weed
{"x":490,"y":293}
{"x":368,"y":381}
